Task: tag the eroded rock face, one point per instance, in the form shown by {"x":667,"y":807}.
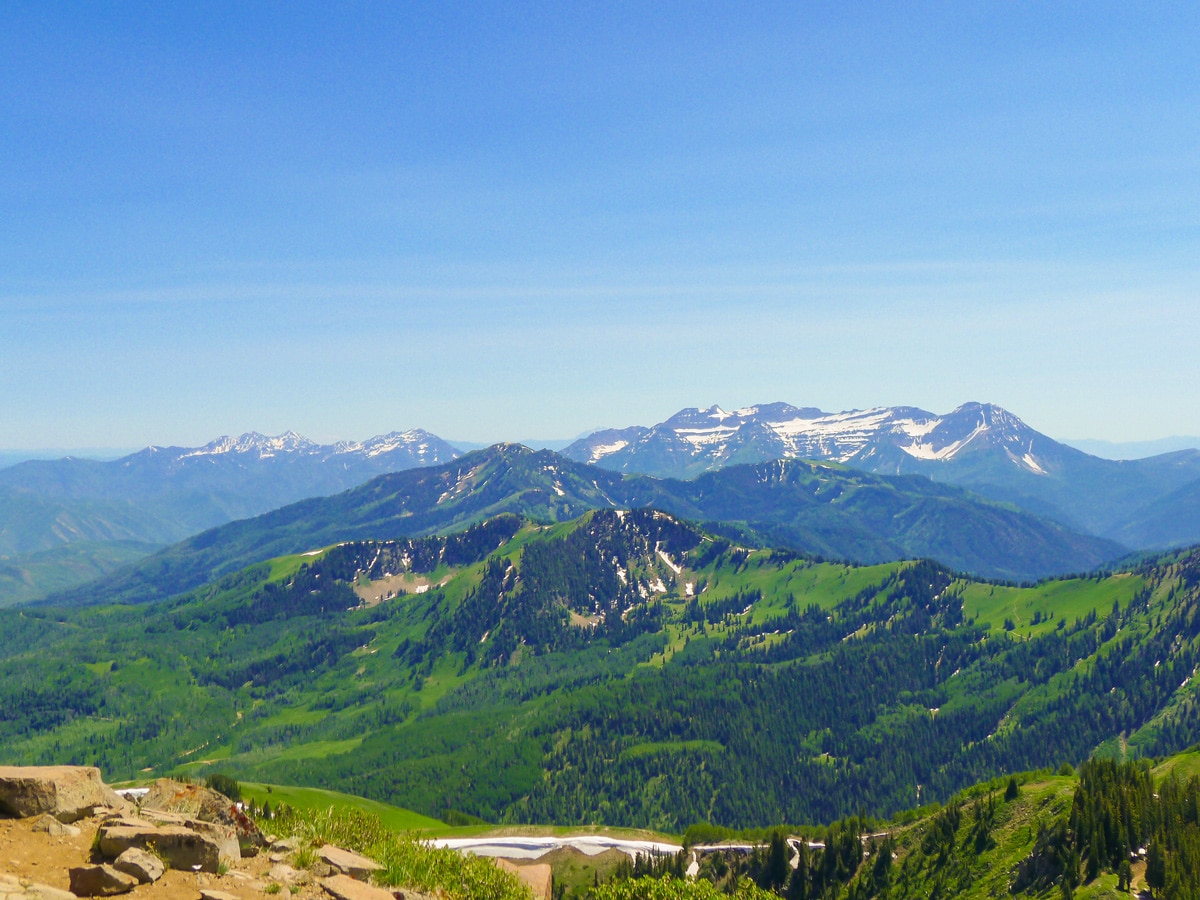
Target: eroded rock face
{"x":180,"y":847}
{"x":100,"y":881}
{"x":68,"y":793}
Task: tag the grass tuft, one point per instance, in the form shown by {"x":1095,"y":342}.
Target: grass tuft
{"x":406,"y":861}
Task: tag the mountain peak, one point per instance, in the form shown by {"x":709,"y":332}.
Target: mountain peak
{"x":881,"y":439}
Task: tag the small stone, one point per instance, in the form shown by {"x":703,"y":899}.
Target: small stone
{"x":53,"y":827}
{"x":284,"y":873}
{"x":100,"y":881}
{"x":287,"y":845}
{"x":145,"y":867}
{"x":210,"y":894}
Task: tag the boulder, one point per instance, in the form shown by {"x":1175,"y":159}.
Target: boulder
{"x":347,"y":863}
{"x":224,"y":836}
{"x":100,"y":881}
{"x":537,"y":877}
{"x":145,"y":867}
{"x":66,"y":792}
{"x":180,"y":848}
{"x":343,"y":887}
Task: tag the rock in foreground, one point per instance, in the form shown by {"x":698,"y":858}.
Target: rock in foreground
{"x":100,"y":881}
{"x":68,"y":793}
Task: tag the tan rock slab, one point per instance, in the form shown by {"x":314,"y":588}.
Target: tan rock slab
{"x":180,"y":848}
{"x":537,"y":877}
{"x":343,"y":887}
{"x":15,"y":888}
{"x":145,"y":867}
{"x":66,"y":792}
{"x":100,"y":881}
{"x":224,"y":836}
{"x":348,"y":863}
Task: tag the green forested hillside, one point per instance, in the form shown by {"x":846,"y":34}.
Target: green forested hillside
{"x":817,"y":509}
{"x":622,"y":668}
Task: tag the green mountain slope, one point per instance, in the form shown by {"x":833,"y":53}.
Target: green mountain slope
{"x":817,"y":509}
{"x":29,"y":576}
{"x":622,"y":668}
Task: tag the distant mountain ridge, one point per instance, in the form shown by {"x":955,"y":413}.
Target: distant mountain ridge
{"x":90,"y":514}
{"x":815,"y":508}
{"x":980,"y":446}
{"x":882,"y":438}
{"x":163,"y":494}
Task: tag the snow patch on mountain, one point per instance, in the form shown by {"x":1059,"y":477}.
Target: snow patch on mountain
{"x":778,"y":430}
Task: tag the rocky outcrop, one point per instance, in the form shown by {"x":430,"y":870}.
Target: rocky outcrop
{"x":100,"y":881}
{"x":194,"y":803}
{"x":68,"y":793}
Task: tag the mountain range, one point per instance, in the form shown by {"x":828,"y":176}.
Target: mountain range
{"x":70,"y":515}
{"x":979,"y":446}
{"x":65,"y":521}
{"x":814,"y":508}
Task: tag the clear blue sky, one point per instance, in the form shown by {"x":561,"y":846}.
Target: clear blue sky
{"x":507,"y":221}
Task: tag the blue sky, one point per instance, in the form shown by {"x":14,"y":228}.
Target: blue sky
{"x":509,"y":221}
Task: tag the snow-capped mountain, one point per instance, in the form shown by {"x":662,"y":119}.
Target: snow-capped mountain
{"x":163,"y":494}
{"x":416,"y":445}
{"x":883,"y":439}
{"x":979,"y":446}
